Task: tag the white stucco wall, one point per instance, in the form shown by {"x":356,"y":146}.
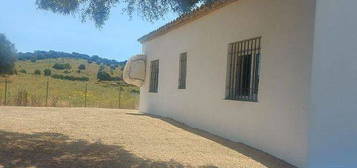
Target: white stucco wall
{"x":333,"y":136}
{"x":278,"y":123}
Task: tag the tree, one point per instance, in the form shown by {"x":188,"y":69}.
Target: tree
{"x":37,"y":72}
{"x":82,"y":67}
{"x":7,"y":55}
{"x":103,"y":76}
{"x":47,"y":72}
{"x":99,"y":10}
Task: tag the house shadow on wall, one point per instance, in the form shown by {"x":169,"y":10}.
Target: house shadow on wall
{"x":53,"y":150}
{"x":262,"y":157}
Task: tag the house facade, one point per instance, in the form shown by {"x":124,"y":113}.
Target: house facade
{"x":277,"y":75}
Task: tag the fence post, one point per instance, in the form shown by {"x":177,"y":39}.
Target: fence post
{"x":5,"y":100}
{"x":119,"y":97}
{"x":85,"y":95}
{"x":47,"y":83}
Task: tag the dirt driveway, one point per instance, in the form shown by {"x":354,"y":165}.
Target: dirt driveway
{"x":107,"y":138}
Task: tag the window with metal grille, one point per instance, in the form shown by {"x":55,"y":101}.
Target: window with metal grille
{"x":154,"y":76}
{"x":243,"y":70}
{"x":182,"y":71}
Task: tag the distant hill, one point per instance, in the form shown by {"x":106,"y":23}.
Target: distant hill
{"x":90,"y":68}
{"x":41,"y":55}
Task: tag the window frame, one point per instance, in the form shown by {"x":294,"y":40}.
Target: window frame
{"x":243,"y":69}
{"x":154,"y":76}
{"x":182,"y":81}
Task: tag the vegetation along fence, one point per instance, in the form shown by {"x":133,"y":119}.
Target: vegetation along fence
{"x":59,"y":93}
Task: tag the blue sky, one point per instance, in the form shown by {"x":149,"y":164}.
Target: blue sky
{"x":32,"y":29}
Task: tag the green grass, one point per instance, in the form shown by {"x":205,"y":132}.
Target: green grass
{"x":64,"y":93}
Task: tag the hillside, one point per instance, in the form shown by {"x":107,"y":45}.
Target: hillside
{"x":90,"y":71}
{"x":40,"y":55}
{"x":30,"y":89}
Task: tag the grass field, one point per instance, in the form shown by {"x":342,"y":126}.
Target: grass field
{"x":90,"y":71}
{"x":110,"y":138}
{"x":31,"y":90}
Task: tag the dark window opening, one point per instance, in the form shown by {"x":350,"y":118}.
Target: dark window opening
{"x":182,"y":71}
{"x":154,"y":76}
{"x":243,"y":70}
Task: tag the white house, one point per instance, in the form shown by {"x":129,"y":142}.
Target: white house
{"x":278,"y":75}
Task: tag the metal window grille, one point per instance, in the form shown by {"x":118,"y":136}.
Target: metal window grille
{"x":182,"y":71}
{"x":154,"y":76}
{"x":243,"y":70}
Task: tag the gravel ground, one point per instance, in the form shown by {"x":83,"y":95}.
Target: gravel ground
{"x":108,"y":138}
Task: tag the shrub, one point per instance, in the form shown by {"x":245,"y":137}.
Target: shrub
{"x":37,"y":72}
{"x":23,"y":71}
{"x":116,"y":79}
{"x":103,"y":76}
{"x":82,"y":67}
{"x":61,"y":66}
{"x":66,"y":72}
{"x":135,"y":91}
{"x":72,"y":78}
{"x":47,"y":72}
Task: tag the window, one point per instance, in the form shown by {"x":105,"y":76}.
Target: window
{"x":243,"y":70}
{"x":182,"y":71}
{"x":154,"y":76}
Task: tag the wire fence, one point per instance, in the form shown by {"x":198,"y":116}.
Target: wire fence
{"x":49,"y":93}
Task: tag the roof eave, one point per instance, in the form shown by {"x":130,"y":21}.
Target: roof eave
{"x":186,"y":18}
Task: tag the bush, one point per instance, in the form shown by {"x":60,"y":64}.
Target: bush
{"x":47,"y":72}
{"x":72,"y":78}
{"x":23,"y":71}
{"x":61,"y":66}
{"x":37,"y":72}
{"x":66,"y":72}
{"x":82,"y":67}
{"x":135,"y":91}
{"x":103,"y":76}
{"x":116,"y":79}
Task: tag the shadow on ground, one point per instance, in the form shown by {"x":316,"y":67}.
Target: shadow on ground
{"x":53,"y":150}
{"x":264,"y":158}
